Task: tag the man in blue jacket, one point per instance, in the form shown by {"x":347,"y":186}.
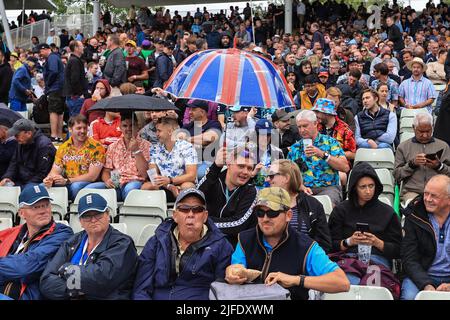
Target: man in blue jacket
{"x":54,"y":81}
{"x":184,"y":256}
{"x":26,"y":249}
{"x":21,"y":88}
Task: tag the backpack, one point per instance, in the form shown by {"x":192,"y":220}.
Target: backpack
{"x":40,"y":112}
{"x":250,"y":291}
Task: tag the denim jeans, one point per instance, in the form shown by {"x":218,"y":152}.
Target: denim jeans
{"x":410,"y":290}
{"x":354,"y":280}
{"x":75,"y":187}
{"x":74,"y":105}
{"x":381,"y":145}
{"x":122,"y":192}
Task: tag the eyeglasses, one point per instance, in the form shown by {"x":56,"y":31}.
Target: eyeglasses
{"x":187,"y":209}
{"x":92,"y":216}
{"x":271,"y":175}
{"x":260,"y":213}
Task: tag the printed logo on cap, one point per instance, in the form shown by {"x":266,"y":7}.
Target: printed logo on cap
{"x":89,"y":199}
{"x":37,"y":189}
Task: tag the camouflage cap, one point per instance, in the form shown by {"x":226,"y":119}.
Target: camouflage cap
{"x":275,"y":198}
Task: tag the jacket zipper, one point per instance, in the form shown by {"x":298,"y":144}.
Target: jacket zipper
{"x":268,"y":259}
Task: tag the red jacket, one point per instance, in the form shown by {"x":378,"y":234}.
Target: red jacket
{"x":101,"y":130}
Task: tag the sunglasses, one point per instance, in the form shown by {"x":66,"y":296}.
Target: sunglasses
{"x":271,"y":175}
{"x":260,"y":213}
{"x":187,"y":209}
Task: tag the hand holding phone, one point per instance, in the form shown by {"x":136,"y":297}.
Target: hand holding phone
{"x":362,"y":227}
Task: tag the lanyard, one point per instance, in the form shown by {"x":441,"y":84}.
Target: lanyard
{"x":85,"y":255}
{"x":22,"y":244}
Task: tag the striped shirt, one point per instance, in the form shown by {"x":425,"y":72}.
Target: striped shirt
{"x":392,"y":89}
{"x":417,"y":91}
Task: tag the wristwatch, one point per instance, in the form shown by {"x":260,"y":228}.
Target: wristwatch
{"x":170,"y":180}
{"x":326,"y":156}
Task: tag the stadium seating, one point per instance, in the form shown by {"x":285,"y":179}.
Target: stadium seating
{"x":146,"y":233}
{"x":60,"y":201}
{"x":5,"y":223}
{"x":439,"y":87}
{"x":433,"y":295}
{"x":411,"y":113}
{"x":378,"y":158}
{"x":406,"y":125}
{"x":360,"y":293}
{"x":65,"y":222}
{"x":326,"y":203}
{"x":122,"y":227}
{"x":406,"y":135}
{"x":385,"y":200}
{"x":9,"y":202}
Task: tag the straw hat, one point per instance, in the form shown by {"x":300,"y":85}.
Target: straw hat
{"x":419,"y":61}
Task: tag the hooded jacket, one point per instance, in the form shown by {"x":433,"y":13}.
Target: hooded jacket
{"x":88,"y":103}
{"x":53,"y":71}
{"x":31,"y":162}
{"x":233,"y":215}
{"x":21,"y":81}
{"x":202,"y":263}
{"x":382,"y":220}
{"x":107,"y":275}
{"x":6,"y":75}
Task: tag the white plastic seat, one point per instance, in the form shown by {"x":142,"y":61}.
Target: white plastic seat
{"x":146,"y":233}
{"x":411,"y":113}
{"x":326,"y":203}
{"x":377,"y":158}
{"x":406,"y":135}
{"x":439,"y":87}
{"x":387,"y":180}
{"x":385,"y":200}
{"x":60,"y":201}
{"x":122,"y":227}
{"x":9,"y":202}
{"x":108,"y":194}
{"x":406,"y":125}
{"x":63,"y":222}
{"x":433,"y":295}
{"x":360,"y":293}
{"x":5,"y":223}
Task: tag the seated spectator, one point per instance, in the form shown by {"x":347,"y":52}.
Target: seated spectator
{"x":404,"y":72}
{"x":308,"y":216}
{"x":164,"y":273}
{"x":238,"y":132}
{"x":174,"y":160}
{"x":229,"y":195}
{"x":363,"y":206}
{"x":306,"y":98}
{"x":128,"y":158}
{"x":26,"y":249}
{"x":288,"y":133}
{"x":203,"y":134}
{"x":412,"y":165}
{"x":212,"y":112}
{"x":409,"y":95}
{"x":102,"y":90}
{"x":383,"y":95}
{"x":351,"y":89}
{"x":78,"y":161}
{"x":8,"y":146}
{"x":148,"y":132}
{"x":33,"y":157}
{"x":321,"y":160}
{"x":435,"y":70}
{"x":103,"y":258}
{"x":361,"y":79}
{"x":424,"y":251}
{"x":284,"y":256}
{"x":266,"y":152}
{"x":376,"y":127}
{"x":106,"y":130}
{"x":381,"y":72}
{"x":333,"y":93}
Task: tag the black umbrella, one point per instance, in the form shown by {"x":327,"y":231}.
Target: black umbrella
{"x":8,"y":116}
{"x":133,"y":102}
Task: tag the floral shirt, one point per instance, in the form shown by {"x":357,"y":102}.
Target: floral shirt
{"x":120,"y":159}
{"x":75,"y":162}
{"x":342,"y":133}
{"x":173,"y":164}
{"x":317,"y":173}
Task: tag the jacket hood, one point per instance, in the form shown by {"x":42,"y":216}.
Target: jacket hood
{"x":361,"y":170}
{"x":106,"y":84}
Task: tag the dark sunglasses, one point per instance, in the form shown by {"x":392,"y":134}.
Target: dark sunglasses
{"x":260,"y":213}
{"x":271,"y":175}
{"x":187,"y":209}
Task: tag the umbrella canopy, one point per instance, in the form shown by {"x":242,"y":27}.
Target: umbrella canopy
{"x":231,"y":77}
{"x":8,"y":116}
{"x":133,"y":102}
{"x":29,"y":4}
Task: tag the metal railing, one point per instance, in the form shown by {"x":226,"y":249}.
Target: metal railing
{"x":22,"y":36}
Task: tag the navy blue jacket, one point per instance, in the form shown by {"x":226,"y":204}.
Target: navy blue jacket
{"x":21,"y":82}
{"x":53,"y":73}
{"x":7,"y":150}
{"x":372,"y":128}
{"x":164,"y":69}
{"x":201,"y":264}
{"x":107,"y":275}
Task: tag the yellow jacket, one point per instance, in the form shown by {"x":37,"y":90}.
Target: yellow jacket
{"x":305,"y":101}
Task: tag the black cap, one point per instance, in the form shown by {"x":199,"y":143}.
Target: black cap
{"x":280,"y":114}
{"x":169,"y":44}
{"x":202,"y":104}
{"x":42,"y":46}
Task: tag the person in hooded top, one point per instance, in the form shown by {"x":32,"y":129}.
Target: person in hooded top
{"x":363,"y":206}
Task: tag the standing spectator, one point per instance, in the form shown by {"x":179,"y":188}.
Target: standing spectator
{"x":53,"y":38}
{"x":115,"y":68}
{"x":91,"y":53}
{"x":6,"y":76}
{"x":137,"y":70}
{"x":317,"y":35}
{"x":14,"y":61}
{"x":417,"y":92}
{"x":64,"y":38}
{"x":394,"y":34}
{"x":164,"y":65}
{"x":301,"y":11}
{"x":75,"y":82}
{"x":21,"y":89}
{"x":54,"y":82}
{"x":8,"y":145}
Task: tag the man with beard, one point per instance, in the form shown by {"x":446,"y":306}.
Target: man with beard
{"x":237,"y":133}
{"x":225,"y":41}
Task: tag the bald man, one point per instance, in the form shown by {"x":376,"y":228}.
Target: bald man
{"x":425,"y":248}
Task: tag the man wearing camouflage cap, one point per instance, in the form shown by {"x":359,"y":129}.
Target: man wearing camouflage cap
{"x":283,"y":255}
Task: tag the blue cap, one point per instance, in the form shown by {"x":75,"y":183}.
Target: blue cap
{"x":32,"y":194}
{"x":190,"y":192}
{"x":91,"y":202}
{"x":264,"y":124}
{"x":239,"y":108}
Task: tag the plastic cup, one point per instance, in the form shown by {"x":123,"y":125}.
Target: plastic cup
{"x":364,"y":252}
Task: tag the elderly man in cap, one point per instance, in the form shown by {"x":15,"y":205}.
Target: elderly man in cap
{"x":186,"y":254}
{"x":26,"y":249}
{"x":238,"y":132}
{"x":417,"y":92}
{"x":98,"y":263}
{"x":283,"y":255}
{"x":33,"y":158}
{"x":288,"y":133}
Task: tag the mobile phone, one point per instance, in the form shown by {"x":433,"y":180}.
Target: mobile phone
{"x":362,"y":227}
{"x":431,"y":156}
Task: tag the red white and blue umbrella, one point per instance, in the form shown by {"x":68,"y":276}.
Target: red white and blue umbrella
{"x":231,"y":77}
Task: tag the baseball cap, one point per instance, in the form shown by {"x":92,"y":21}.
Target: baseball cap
{"x":280,"y":114}
{"x":21,"y":125}
{"x":198,"y":104}
{"x":131,"y":42}
{"x":323,"y":72}
{"x":42,"y":46}
{"x":257,"y":49}
{"x":190,"y":192}
{"x":146,"y":43}
{"x":91,"y":202}
{"x":169,"y":44}
{"x":239,"y":108}
{"x":32,"y":194}
{"x":275,"y":198}
{"x":264,"y":125}
{"x":14,"y":54}
{"x":159,"y":41}
{"x":325,"y":106}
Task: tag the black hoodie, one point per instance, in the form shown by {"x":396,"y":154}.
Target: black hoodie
{"x":382,"y":220}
